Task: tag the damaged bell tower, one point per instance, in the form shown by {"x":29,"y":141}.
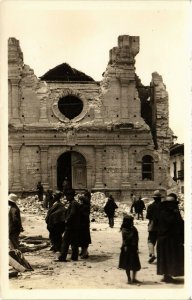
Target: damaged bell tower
{"x":111,"y":136}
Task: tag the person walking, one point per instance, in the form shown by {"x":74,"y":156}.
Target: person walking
{"x":152,"y":213}
{"x":40,"y":191}
{"x":109,"y":209}
{"x":129,"y":258}
{"x":139,"y":206}
{"x":72,"y":223}
{"x":55,"y":220}
{"x":84,"y":229}
{"x":170,"y":240}
{"x":15,"y":224}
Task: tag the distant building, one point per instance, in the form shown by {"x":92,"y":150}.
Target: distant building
{"x":111,"y":136}
{"x":177,"y":165}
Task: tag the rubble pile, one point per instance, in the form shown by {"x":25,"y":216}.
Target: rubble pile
{"x":98,"y":201}
{"x":31,"y":205}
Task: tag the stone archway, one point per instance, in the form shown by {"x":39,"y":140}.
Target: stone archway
{"x":72,"y":164}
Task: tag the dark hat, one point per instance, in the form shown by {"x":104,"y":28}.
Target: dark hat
{"x":70,"y":192}
{"x":58,"y":194}
{"x":157,"y":194}
{"x":172,"y":197}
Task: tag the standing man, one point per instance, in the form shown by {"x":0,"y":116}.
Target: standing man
{"x":15,"y":225}
{"x":55,"y":220}
{"x":139,"y":206}
{"x":72,"y":223}
{"x":109,"y":209}
{"x":152,"y":215}
{"x":40,"y":191}
{"x":170,"y":240}
{"x":84,"y":229}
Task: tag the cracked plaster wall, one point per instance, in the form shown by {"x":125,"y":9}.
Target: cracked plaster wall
{"x":112,"y":119}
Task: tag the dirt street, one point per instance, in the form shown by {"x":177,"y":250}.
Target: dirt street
{"x":100,"y":270}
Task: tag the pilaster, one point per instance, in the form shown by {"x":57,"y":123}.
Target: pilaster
{"x":44,"y":165}
{"x":124,"y":167}
{"x":15,"y":100}
{"x":99,"y":167}
{"x":16,"y":186}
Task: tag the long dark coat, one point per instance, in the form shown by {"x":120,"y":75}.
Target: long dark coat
{"x":15,"y":225}
{"x":170,"y":248}
{"x":84,"y":227}
{"x":139,"y":206}
{"x":72,"y":222}
{"x":129,"y":258}
{"x":110,"y":207}
{"x":56,"y":216}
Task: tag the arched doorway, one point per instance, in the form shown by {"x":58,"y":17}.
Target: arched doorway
{"x":72,"y":165}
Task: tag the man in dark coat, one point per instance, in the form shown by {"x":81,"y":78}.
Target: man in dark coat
{"x":55,"y":220}
{"x":109,"y":209}
{"x":48,"y":202}
{"x":84,"y":229}
{"x":170,"y":240}
{"x":72,"y":223}
{"x":139,"y":206}
{"x":40,"y":191}
{"x":152,"y":212}
{"x":15,"y":225}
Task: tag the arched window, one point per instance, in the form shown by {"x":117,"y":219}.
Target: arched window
{"x":147,"y":168}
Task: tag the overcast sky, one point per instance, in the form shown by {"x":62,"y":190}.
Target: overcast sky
{"x":82,"y":33}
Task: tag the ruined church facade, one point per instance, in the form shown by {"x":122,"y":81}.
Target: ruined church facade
{"x":111,"y":136}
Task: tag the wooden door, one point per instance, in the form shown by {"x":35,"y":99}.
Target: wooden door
{"x":79,"y":172}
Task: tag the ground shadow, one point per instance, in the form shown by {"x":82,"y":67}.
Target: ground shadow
{"x":179,"y":281}
{"x":176,"y":281}
{"x":98,"y":258}
{"x":148,"y":282}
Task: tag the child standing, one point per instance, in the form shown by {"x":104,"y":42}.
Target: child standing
{"x":129,"y":258}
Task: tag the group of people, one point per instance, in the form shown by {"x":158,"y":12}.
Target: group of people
{"x":165,"y":230}
{"x":69,"y":225}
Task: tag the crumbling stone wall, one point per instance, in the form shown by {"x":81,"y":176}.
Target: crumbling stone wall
{"x":113,"y":132}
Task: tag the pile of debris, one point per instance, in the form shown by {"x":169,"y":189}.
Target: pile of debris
{"x":98,"y":201}
{"x":31,"y":205}
{"x":33,"y":243}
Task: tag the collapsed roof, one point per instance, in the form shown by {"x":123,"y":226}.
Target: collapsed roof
{"x":65,"y":72}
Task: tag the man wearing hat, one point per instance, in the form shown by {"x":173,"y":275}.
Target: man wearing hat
{"x":72,"y":222}
{"x":152,"y":214}
{"x":15,"y":225}
{"x":55,"y":220}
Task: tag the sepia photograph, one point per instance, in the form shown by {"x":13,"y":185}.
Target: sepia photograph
{"x":95,"y":150}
